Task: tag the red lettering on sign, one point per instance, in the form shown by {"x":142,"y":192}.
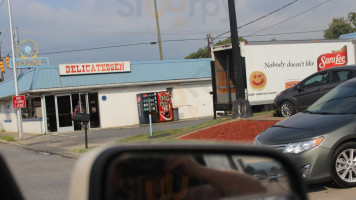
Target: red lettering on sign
{"x":78,"y":70}
{"x":19,"y":101}
{"x":103,"y":68}
{"x":83,"y":68}
{"x":72,"y":68}
{"x":67,"y":69}
{"x":335,"y":59}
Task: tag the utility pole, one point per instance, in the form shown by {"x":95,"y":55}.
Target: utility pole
{"x":16,"y":47}
{"x":158,"y":32}
{"x":2,"y":73}
{"x":18,"y":111}
{"x":241,"y":107}
{"x":16,"y":41}
{"x":208,"y":47}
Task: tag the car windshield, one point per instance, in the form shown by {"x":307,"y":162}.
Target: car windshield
{"x":340,"y":100}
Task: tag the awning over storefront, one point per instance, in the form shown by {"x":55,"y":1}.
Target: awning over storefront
{"x":47,"y":78}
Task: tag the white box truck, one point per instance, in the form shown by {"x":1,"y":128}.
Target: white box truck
{"x":271,"y":67}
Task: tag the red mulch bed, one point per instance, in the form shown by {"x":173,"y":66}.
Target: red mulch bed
{"x":236,"y":131}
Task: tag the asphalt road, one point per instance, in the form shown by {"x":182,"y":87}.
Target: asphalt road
{"x":330,"y":191}
{"x":39,"y":176}
{"x":45,"y":176}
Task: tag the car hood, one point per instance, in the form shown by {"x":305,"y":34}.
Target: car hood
{"x":302,"y":126}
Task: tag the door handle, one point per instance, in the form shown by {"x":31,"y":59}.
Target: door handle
{"x":320,"y":89}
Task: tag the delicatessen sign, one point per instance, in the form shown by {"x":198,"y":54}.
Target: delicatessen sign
{"x":94,"y":68}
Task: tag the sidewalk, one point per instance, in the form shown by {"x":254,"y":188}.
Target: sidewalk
{"x":64,"y":143}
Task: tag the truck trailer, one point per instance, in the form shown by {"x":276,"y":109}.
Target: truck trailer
{"x":273,"y":66}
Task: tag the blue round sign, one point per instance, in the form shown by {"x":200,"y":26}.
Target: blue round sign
{"x":103,"y":98}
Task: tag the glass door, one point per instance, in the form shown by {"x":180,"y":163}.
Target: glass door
{"x":64,"y":113}
{"x":51,"y":114}
{"x":94,"y":110}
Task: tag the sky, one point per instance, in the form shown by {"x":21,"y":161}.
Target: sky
{"x":87,"y":31}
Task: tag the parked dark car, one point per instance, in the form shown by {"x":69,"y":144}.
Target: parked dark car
{"x":306,"y":92}
{"x":322,"y":139}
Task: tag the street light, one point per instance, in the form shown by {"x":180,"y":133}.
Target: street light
{"x":2,"y":67}
{"x":7,"y":62}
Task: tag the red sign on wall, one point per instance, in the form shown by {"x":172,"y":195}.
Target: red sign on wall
{"x":19,"y":101}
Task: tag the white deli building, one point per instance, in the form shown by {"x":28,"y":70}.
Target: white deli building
{"x":108,"y":91}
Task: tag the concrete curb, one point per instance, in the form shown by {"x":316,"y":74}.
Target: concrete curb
{"x":63,"y":144}
{"x":46,"y":151}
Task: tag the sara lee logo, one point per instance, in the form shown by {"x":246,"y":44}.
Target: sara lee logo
{"x":334,"y":59}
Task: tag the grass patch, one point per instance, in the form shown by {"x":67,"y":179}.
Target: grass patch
{"x":171,"y":135}
{"x":7,"y":138}
{"x":80,"y":150}
{"x":263,"y":113}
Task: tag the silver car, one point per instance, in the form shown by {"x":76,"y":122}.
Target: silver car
{"x":322,"y":139}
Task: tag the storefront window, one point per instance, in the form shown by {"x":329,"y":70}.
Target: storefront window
{"x":33,"y":108}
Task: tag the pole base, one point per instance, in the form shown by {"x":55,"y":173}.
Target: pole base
{"x":241,"y":108}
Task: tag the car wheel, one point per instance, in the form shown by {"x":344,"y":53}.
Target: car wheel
{"x":287,"y":109}
{"x":343,"y":165}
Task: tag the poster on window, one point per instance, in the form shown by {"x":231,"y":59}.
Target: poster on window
{"x":165,"y":106}
{"x":8,"y":112}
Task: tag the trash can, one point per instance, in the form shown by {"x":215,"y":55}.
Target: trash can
{"x":175,"y":114}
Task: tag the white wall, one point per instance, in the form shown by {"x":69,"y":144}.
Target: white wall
{"x":33,"y":127}
{"x":8,"y":126}
{"x":119,"y":108}
{"x":29,"y":126}
{"x":193,"y":100}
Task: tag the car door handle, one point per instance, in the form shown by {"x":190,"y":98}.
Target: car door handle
{"x":319,"y":89}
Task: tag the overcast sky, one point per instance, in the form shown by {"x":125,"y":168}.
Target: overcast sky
{"x":64,"y":29}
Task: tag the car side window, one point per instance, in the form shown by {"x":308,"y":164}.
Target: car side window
{"x":317,"y":80}
{"x":342,"y":75}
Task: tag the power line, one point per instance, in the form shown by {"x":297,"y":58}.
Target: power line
{"x":180,"y":40}
{"x":123,"y":45}
{"x":175,"y":40}
{"x":96,"y":48}
{"x":271,"y":34}
{"x":2,"y":3}
{"x":290,"y":33}
{"x":259,"y":18}
{"x":290,"y":18}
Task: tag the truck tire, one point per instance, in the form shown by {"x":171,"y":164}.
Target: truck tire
{"x":287,"y":109}
{"x":343,"y":165}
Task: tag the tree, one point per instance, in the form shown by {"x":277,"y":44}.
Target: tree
{"x":203,"y":52}
{"x":228,"y":41}
{"x":200,"y":53}
{"x":340,"y":26}
{"x":352,"y":18}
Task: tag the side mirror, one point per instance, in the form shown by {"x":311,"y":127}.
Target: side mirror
{"x":300,"y":87}
{"x":8,"y":187}
{"x":185,"y":172}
